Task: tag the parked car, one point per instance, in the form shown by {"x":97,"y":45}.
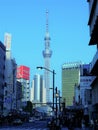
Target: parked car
{"x":31,"y":119}
{"x":49,"y":122}
{"x":17,"y":122}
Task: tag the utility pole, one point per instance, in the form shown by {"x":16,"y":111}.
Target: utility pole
{"x":56,"y":102}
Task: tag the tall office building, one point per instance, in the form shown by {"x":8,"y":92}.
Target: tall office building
{"x":38,"y":92}
{"x":37,"y":88}
{"x":23,"y":76}
{"x":7,"y":43}
{"x":47,"y":53}
{"x":10,"y":77}
{"x":70,"y":77}
{"x":85,"y":82}
{"x":93,"y":26}
{"x":2,"y":75}
{"x":38,"y":85}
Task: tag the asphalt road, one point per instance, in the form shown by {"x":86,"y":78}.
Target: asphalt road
{"x":37,"y":125}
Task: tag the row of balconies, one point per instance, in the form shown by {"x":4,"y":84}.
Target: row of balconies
{"x":93,"y":22}
{"x":94,"y":31}
{"x":90,"y":4}
{"x":94,"y":65}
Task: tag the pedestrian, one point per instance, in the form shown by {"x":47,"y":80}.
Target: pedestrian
{"x":58,"y":124}
{"x":92,"y":124}
{"x":83,"y":124}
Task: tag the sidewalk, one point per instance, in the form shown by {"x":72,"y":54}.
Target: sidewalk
{"x":64,"y":128}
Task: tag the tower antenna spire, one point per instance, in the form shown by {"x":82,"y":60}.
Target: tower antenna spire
{"x":47,"y":12}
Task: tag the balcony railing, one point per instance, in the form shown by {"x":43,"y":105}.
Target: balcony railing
{"x":90,"y":4}
{"x":95,"y":58}
{"x":93,"y":22}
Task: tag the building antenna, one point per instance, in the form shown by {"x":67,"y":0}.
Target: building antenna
{"x":47,"y":12}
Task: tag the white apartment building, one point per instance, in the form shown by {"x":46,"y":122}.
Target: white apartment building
{"x":10,"y":77}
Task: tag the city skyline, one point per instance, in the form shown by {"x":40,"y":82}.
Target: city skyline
{"x":68,"y":29}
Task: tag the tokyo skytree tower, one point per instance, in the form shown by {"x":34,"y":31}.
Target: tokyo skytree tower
{"x":47,"y":53}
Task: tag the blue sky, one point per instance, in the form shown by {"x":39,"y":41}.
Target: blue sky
{"x":69,"y":32}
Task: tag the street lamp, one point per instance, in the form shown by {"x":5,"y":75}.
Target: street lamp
{"x":56,"y":95}
{"x":59,"y":101}
{"x":53,"y":72}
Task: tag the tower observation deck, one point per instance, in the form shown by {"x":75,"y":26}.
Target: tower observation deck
{"x":47,"y":53}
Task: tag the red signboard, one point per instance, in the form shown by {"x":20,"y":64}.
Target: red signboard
{"x":23,"y":72}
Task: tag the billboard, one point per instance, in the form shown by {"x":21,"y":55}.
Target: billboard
{"x":23,"y":72}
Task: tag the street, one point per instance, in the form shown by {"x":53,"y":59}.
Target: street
{"x":37,"y":125}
